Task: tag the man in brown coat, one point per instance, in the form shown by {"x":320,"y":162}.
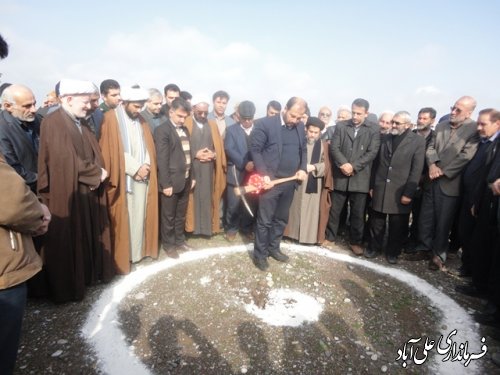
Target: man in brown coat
{"x":76,"y":250}
{"x":129,"y":155}
{"x":21,"y":217}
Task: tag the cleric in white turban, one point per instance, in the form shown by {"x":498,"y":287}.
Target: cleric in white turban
{"x":134,"y":94}
{"x":129,"y":155}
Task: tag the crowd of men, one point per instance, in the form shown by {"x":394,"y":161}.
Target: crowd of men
{"x":121,"y":179}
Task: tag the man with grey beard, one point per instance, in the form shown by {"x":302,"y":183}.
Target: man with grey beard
{"x":20,"y":132}
{"x":449,"y":152}
{"x":396,"y":173}
{"x":385,"y":122}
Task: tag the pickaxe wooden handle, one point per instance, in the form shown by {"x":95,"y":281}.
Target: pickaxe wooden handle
{"x":251,"y":188}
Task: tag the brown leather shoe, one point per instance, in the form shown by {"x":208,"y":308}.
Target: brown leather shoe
{"x":437,"y":264}
{"x":330,"y":245}
{"x":356,"y":249}
{"x":230,"y":236}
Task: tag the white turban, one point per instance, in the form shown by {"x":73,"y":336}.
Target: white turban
{"x":134,"y":94}
{"x":198,"y":99}
{"x":76,"y":87}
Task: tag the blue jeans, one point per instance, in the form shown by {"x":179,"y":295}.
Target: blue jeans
{"x":12,"y":303}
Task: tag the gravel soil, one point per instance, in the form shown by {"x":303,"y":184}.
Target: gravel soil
{"x":194,"y":319}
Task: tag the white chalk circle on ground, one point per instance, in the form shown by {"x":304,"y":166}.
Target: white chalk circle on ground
{"x":102,"y":328}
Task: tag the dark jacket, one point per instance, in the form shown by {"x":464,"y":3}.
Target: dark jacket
{"x":237,"y":154}
{"x":19,"y":148}
{"x":170,"y":157}
{"x":266,"y":146}
{"x":359,"y":151}
{"x":397,"y":173}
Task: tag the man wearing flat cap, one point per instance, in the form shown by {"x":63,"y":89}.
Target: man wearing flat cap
{"x":209,"y":171}
{"x":239,"y":166}
{"x":130,"y":157}
{"x":77,"y":249}
{"x":310,"y":205}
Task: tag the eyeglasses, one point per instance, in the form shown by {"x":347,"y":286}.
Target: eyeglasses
{"x":325,"y":114}
{"x":455,"y":109}
{"x":201,"y":112}
{"x":398,"y":123}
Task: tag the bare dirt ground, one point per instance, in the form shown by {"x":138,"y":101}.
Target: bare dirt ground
{"x":191,"y":319}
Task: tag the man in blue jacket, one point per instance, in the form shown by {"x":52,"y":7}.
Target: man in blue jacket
{"x":278,"y":149}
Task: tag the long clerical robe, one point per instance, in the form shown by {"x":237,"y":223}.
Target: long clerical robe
{"x":76,"y":250}
{"x":304,"y":222}
{"x":210,"y":179}
{"x":133,"y":205}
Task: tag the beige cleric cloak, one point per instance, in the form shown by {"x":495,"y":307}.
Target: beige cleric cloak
{"x":219,"y":178}
{"x":324,"y":202}
{"x":114,"y":161}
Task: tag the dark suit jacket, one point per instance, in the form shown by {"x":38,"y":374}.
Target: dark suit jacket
{"x":97,"y":117}
{"x":170,"y":157}
{"x":397,"y":173}
{"x":451,"y":154}
{"x":18,"y":149}
{"x":237,"y":154}
{"x":359,"y":151}
{"x":266,"y":146}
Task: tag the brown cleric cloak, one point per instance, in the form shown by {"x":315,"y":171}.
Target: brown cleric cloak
{"x":76,"y":250}
{"x":114,"y":161}
{"x":219,"y":178}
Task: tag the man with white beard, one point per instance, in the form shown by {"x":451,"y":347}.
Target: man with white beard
{"x":396,"y":173}
{"x":385,"y":122}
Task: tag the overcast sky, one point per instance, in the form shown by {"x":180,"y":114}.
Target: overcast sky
{"x":399,"y":55}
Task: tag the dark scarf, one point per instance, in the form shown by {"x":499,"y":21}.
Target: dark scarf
{"x":312,"y":182}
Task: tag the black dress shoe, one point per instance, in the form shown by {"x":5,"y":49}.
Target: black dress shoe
{"x":279,"y":256}
{"x":471,"y":291}
{"x":392,"y":259}
{"x":261,"y":263}
{"x":184,"y":247}
{"x":370,"y":253}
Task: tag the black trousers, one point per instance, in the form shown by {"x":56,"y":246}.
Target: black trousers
{"x":436,"y":218}
{"x":398,"y":232}
{"x":173,"y":216}
{"x":466,"y":227}
{"x":357,"y":202}
{"x":272,"y":218}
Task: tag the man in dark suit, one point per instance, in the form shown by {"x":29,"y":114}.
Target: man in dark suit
{"x":278,"y":149}
{"x":239,"y":165}
{"x":425,"y":120}
{"x":451,"y":149}
{"x":396,"y":173}
{"x":354,"y":146}
{"x":20,"y":132}
{"x":174,"y":158}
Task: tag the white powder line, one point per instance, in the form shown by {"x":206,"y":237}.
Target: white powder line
{"x":102,"y":328}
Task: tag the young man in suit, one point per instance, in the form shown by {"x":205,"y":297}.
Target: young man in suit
{"x":173,"y":153}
